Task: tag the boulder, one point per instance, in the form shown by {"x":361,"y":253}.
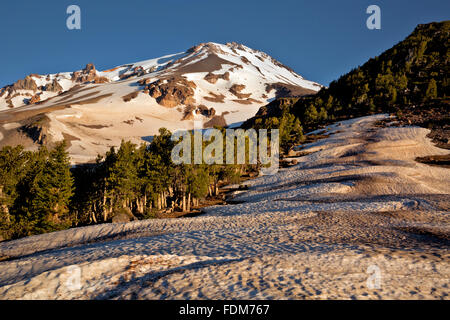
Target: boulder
{"x":123,"y":215}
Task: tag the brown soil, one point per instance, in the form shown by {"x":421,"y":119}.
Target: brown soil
{"x":218,"y":98}
{"x":212,"y":78}
{"x":212,"y":63}
{"x":236,"y":90}
{"x":438,"y":160}
{"x":22,"y":113}
{"x":130,"y":96}
{"x":288,"y":90}
{"x":435,"y":117}
{"x":93,"y":126}
{"x":216,"y":121}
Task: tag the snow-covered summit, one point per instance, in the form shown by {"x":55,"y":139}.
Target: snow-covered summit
{"x":216,"y":84}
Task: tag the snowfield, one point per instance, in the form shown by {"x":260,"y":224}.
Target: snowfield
{"x":356,"y":218}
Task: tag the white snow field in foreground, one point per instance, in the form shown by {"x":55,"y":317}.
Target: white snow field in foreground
{"x":356,"y":218}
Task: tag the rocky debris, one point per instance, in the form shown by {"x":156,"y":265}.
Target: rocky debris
{"x":212,"y":78}
{"x":135,"y":72}
{"x":236,"y":90}
{"x":54,"y":86}
{"x":35,"y":99}
{"x":173,"y":91}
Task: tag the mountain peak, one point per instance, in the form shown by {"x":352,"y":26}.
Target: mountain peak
{"x":210,"y":83}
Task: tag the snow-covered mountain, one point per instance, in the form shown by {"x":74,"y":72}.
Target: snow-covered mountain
{"x":209,"y":84}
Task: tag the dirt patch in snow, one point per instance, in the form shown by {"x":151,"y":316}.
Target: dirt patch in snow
{"x":236,"y":90}
{"x":130,"y":96}
{"x":209,"y":64}
{"x":288,"y":90}
{"x":218,"y":98}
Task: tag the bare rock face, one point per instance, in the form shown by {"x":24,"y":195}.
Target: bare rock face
{"x":173,"y":91}
{"x":88,"y":74}
{"x":25,"y":84}
{"x":54,"y":86}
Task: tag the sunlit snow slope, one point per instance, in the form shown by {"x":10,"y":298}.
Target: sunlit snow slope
{"x":210,"y":84}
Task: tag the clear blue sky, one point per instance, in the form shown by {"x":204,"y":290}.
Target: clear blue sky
{"x":319,"y":39}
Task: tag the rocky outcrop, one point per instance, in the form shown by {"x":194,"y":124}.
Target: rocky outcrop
{"x":25,"y":84}
{"x":190,"y":111}
{"x":205,"y":111}
{"x":88,"y":74}
{"x":135,"y":72}
{"x":173,"y":91}
{"x":212,"y":78}
{"x":236,"y":90}
{"x":54,"y":86}
{"x":34,"y":99}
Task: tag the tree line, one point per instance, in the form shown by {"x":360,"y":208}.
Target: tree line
{"x":40,"y":192}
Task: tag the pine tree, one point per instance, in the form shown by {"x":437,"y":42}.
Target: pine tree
{"x":431,"y":92}
{"x":53,"y":190}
